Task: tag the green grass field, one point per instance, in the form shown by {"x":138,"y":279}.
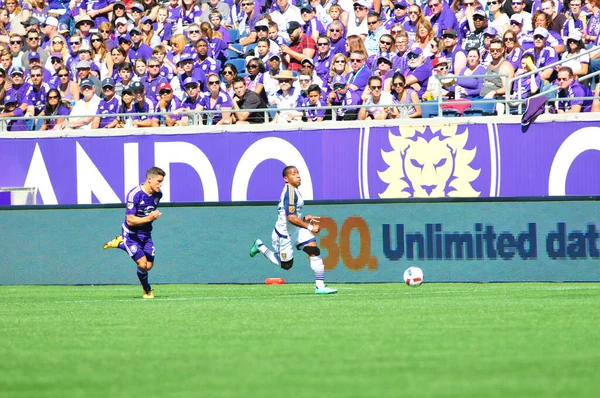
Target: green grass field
{"x":371,"y":340}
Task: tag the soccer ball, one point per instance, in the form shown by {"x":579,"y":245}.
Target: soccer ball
{"x":413,"y":276}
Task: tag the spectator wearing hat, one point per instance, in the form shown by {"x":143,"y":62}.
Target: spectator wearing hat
{"x":187,"y":64}
{"x":436,"y":86}
{"x":34,"y":60}
{"x":285,"y":97}
{"x":33,"y":42}
{"x":384,"y":69}
{"x":525,"y":38}
{"x":518,"y":8}
{"x":418,"y":72}
{"x":126,"y":43}
{"x":357,"y":25}
{"x":86,"y":107}
{"x":301,"y":47}
{"x":271,"y":85}
{"x":262,"y":32}
{"x":137,"y":12}
{"x":456,"y":56}
{"x":217,"y":99}
{"x":554,"y":39}
{"x":569,"y":87}
{"x":148,"y":36}
{"x":108,"y":105}
{"x":84,"y":71}
{"x":475,"y":36}
{"x":85,"y":54}
{"x":399,"y":14}
{"x":248,"y":21}
{"x":312,"y":26}
{"x":139,"y":49}
{"x":19,"y":87}
{"x":192,"y":100}
{"x":30,"y":24}
{"x":488,"y":35}
{"x":11,"y":109}
{"x":54,"y":106}
{"x":49,"y":30}
{"x":142,"y":105}
{"x":442,"y":17}
{"x":169,"y":104}
{"x":84,"y":24}
{"x":247,"y":101}
{"x":340,"y":95}
{"x":122,"y":26}
{"x":308,"y":65}
{"x":543,"y":55}
{"x":578,"y":63}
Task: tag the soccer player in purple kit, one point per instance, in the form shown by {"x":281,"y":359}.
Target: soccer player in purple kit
{"x":136,"y":238}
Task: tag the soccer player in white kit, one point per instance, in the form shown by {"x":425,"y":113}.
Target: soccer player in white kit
{"x":291,"y":228}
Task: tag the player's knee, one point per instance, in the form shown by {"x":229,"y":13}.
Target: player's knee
{"x":312,"y":250}
{"x":287,"y":265}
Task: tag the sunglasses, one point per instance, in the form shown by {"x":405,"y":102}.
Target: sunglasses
{"x":371,"y":23}
{"x":355,"y":60}
{"x":414,"y":12}
{"x":515,"y":23}
{"x":63,"y":75}
{"x":491,"y":3}
{"x":37,"y":75}
{"x":16,"y":42}
{"x":134,"y":34}
{"x":517,"y":3}
{"x":412,"y":56}
{"x":96,"y":40}
{"x":359,"y":8}
{"x":262,"y":28}
{"x":322,"y":44}
{"x":33,"y":38}
{"x":387,"y":43}
{"x":86,"y":88}
{"x":335,"y":30}
{"x":442,"y":68}
{"x":214,"y":82}
{"x":107,"y":88}
{"x":56,"y":61}
{"x":53,"y":97}
{"x":538,"y":37}
{"x":510,"y":39}
{"x":227,"y":73}
{"x":247,"y":4}
{"x":193,"y":31}
{"x":563,"y":79}
{"x":448,"y":37}
{"x":58,"y":41}
{"x":338,"y":86}
{"x":478,"y":18}
{"x":399,"y":7}
{"x":191,"y":86}
{"x":253,"y":66}
{"x":307,"y":65}
{"x":398,"y":85}
{"x":495,"y":50}
{"x":153,"y":66}
{"x":340,"y":61}
{"x":430,"y":5}
{"x":375,"y":87}
{"x":105,"y":31}
{"x":163,"y":92}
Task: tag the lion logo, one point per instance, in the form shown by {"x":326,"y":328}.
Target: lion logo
{"x":429,"y":162}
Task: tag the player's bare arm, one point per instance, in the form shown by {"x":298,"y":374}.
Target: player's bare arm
{"x":306,"y":223}
{"x":134,"y":221}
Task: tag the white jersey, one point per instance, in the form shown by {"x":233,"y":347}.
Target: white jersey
{"x":291,"y":202}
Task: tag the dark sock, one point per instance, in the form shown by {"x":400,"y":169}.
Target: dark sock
{"x":143,"y":277}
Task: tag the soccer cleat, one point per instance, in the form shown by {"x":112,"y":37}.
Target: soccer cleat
{"x":113,"y":243}
{"x":148,"y":294}
{"x":254,"y":251}
{"x":325,"y":290}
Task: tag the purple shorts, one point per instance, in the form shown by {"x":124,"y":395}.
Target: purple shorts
{"x":139,"y":245}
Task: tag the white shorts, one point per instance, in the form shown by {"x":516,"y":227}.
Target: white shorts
{"x":283,"y":245}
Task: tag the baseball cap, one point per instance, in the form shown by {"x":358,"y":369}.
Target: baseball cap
{"x":121,"y":20}
{"x":137,"y":86}
{"x":135,"y":29}
{"x":339,"y":79}
{"x":307,"y":60}
{"x":490,"y":31}
{"x":402,"y":3}
{"x":86,"y":82}
{"x":56,"y":55}
{"x":16,"y":69}
{"x":307,"y":7}
{"x":119,"y":3}
{"x":10,"y":98}
{"x":450,"y":32}
{"x":540,"y":31}
{"x":386,"y":57}
{"x":33,"y":55}
{"x":481,"y":13}
{"x":63,"y":28}
{"x":83,"y":65}
{"x":574,"y":35}
{"x":108,"y":82}
{"x":274,"y":55}
{"x":84,"y":47}
{"x":439,"y":60}
{"x":362,"y":3}
{"x":185,"y":57}
{"x":30,"y":21}
{"x":292,"y":26}
{"x":51,"y":21}
{"x":189,"y":81}
{"x":416,"y":51}
{"x":147,"y":19}
{"x":164,"y":86}
{"x":138,"y":7}
{"x":261,"y":24}
{"x":125,"y":37}
{"x":517,"y":18}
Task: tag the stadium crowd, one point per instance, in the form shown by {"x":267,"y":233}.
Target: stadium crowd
{"x":99,"y":57}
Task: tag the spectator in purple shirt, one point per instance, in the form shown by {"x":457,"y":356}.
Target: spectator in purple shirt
{"x":315,"y":99}
{"x":142,"y":105}
{"x":323,"y":57}
{"x":469,"y":87}
{"x":400,"y":14}
{"x":139,"y":49}
{"x":418,"y":72}
{"x":341,"y":96}
{"x":19,"y":88}
{"x":456,"y":56}
{"x":360,"y":73}
{"x":336,"y":36}
{"x":312,"y":26}
{"x":571,"y":88}
{"x":169,"y":105}
{"x":513,"y":49}
{"x":107,"y":106}
{"x":12,"y":110}
{"x":98,"y":10}
{"x":442,"y":17}
{"x":153,"y":79}
{"x":543,"y":55}
{"x":217,"y":99}
{"x":54,"y":106}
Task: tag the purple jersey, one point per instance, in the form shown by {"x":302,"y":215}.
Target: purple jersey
{"x":140,"y":204}
{"x":222,"y":101}
{"x":108,"y":107}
